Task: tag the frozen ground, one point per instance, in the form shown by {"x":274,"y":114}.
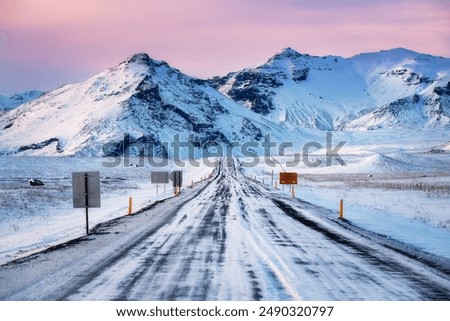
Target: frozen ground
{"x":403,"y":196}
{"x":34,"y":218}
{"x":229,"y":238}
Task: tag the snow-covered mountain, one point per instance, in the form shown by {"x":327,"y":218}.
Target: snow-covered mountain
{"x":155,"y":109}
{"x":416,"y":111}
{"x":12,"y":101}
{"x":442,"y":148}
{"x":396,"y":88}
{"x":142,"y":103}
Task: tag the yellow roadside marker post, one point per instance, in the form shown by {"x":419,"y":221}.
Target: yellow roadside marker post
{"x":130,"y":205}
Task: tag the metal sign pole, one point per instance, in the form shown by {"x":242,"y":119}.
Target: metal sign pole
{"x":86,"y":192}
{"x":86,"y":202}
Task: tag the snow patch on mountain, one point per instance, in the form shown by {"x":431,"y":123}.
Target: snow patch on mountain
{"x":304,"y":90}
{"x":442,"y":148}
{"x":397,"y":73}
{"x":396,"y":88}
{"x":8,"y":102}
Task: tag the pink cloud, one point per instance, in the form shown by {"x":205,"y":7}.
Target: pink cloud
{"x":207,"y":37}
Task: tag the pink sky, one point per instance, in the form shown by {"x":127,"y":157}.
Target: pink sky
{"x":45,"y":43}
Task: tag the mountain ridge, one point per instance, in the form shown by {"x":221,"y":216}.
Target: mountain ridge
{"x":292,"y":96}
{"x":139,"y":103}
{"x":329,"y":91}
{"x":11,"y":101}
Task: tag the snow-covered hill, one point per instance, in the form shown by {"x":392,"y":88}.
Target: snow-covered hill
{"x":8,"y":102}
{"x":396,"y":88}
{"x":153,"y":108}
{"x":413,"y":112}
{"x":141,"y":103}
{"x":442,"y":148}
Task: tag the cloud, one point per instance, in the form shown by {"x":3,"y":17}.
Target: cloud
{"x":207,"y":37}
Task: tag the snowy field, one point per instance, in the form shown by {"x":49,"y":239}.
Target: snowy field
{"x":404,"y":196}
{"x":34,"y":218}
{"x":229,"y":238}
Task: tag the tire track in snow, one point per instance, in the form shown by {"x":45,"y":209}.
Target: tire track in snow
{"x":427,"y":288}
{"x":174,"y":263}
{"x":268,"y":279}
{"x":239,"y":240}
{"x":135,"y":259}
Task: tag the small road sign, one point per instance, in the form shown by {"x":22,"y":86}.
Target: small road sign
{"x":86,"y":191}
{"x":288,"y":178}
{"x":160,"y":177}
{"x":177,"y":178}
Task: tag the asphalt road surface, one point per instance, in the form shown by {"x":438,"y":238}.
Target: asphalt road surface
{"x":227,"y":239}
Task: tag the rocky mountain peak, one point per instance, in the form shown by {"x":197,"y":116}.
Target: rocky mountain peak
{"x":286,"y":53}
{"x":139,"y":58}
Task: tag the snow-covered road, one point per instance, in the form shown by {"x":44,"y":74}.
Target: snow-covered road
{"x":228,"y":239}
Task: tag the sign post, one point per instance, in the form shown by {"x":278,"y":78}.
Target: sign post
{"x":160,"y":177}
{"x":86,"y":201}
{"x":177,"y":178}
{"x":341,"y":209}
{"x":289,"y":178}
{"x":86,"y":192}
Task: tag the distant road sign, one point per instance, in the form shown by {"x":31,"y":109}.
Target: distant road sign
{"x":177,"y":178}
{"x":160,"y":177}
{"x":86,"y":189}
{"x":288,"y":178}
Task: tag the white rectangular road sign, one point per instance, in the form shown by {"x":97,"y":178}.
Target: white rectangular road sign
{"x":82,"y":181}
